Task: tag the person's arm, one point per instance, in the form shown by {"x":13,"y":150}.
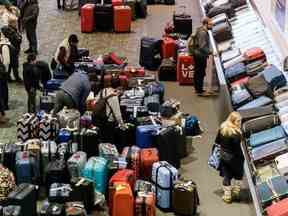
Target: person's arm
{"x":6,"y":56}
{"x":33,"y":16}
{"x":115,"y":106}
{"x":203,"y":40}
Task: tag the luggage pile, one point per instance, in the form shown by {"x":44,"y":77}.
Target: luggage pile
{"x":115,"y":15}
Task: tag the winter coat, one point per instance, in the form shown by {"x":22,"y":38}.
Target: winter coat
{"x":31,"y":76}
{"x":30,"y":13}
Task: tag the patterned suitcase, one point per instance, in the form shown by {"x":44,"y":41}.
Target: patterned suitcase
{"x":132,"y":155}
{"x":144,"y":135}
{"x":258,"y":102}
{"x":27,"y":127}
{"x":122,"y":18}
{"x":148,"y":157}
{"x":87,"y":18}
{"x":76,"y":163}
{"x":185,"y":69}
{"x":123,"y":201}
{"x":164,"y":176}
{"x":48,"y":128}
{"x":145,"y":204}
{"x":12,"y":210}
{"x":168,"y":48}
{"x":96,"y":169}
{"x":279,"y":208}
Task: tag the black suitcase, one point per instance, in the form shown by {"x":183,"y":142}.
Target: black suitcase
{"x":150,"y":53}
{"x":167,"y":70}
{"x":25,"y":196}
{"x":83,"y":190}
{"x":167,"y":143}
{"x":125,"y":137}
{"x":103,"y":17}
{"x":55,"y":209}
{"x":222,"y":32}
{"x":141,"y":8}
{"x":182,"y":24}
{"x":13,"y":210}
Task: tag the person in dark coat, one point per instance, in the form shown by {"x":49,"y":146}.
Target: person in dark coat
{"x":44,"y":71}
{"x":231,"y":156}
{"x":29,"y":16}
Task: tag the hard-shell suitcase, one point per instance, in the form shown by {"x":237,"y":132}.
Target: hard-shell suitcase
{"x":55,"y":209}
{"x":281,"y":163}
{"x":258,"y":86}
{"x":258,"y":102}
{"x":274,"y":77}
{"x":266,"y":136}
{"x":109,"y":152}
{"x":235,"y":72}
{"x":253,"y":54}
{"x":59,"y":193}
{"x":256,"y":112}
{"x":182,"y":23}
{"x":132,"y":155}
{"x":47,"y":101}
{"x":144,"y":135}
{"x":152,"y":102}
{"x":222,"y":32}
{"x":25,"y":196}
{"x":145,"y":204}
{"x":147,"y":158}
{"x":87,"y":18}
{"x":185,"y":199}
{"x":48,"y":128}
{"x":103,"y":17}
{"x":142,"y":186}
{"x":220,"y":18}
{"x":96,"y":169}
{"x":279,"y":208}
{"x":69,"y":118}
{"x":123,"y":201}
{"x":185,"y":69}
{"x":240,"y":95}
{"x":149,"y":53}
{"x":168,"y":48}
{"x":155,"y":88}
{"x":64,"y":136}
{"x":226,"y":8}
{"x":76,"y":163}
{"x":122,"y":18}
{"x":164,"y":176}
{"x":12,"y":210}
{"x":167,"y":70}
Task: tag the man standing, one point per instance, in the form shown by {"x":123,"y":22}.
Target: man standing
{"x":29,"y":15}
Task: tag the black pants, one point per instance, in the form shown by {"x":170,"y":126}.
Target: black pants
{"x":32,"y":100}
{"x":32,"y":36}
{"x":228,"y":175}
{"x":200,"y":67}
{"x":4,"y":93}
{"x":59,"y":4}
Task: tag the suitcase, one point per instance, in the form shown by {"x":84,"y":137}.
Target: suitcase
{"x":59,"y":193}
{"x":125,"y":136}
{"x":235,"y":72}
{"x":242,"y":81}
{"x":281,"y":94}
{"x":279,"y":208}
{"x":76,"y":163}
{"x":141,"y":8}
{"x":132,"y":155}
{"x":261,"y":123}
{"x":55,"y":209}
{"x":53,"y":85}
{"x":168,"y":48}
{"x":167,"y":70}
{"x":132,"y":5}
{"x":249,"y":114}
{"x":96,"y":169}
{"x":269,"y":150}
{"x":192,"y":126}
{"x":258,"y":86}
{"x":122,"y":196}
{"x":185,"y":69}
{"x":47,"y":102}
{"x":230,"y":54}
{"x":87,"y":18}
{"x":281,"y":163}
{"x":75,"y":209}
{"x":253,"y":54}
{"x":238,"y":3}
{"x":48,"y":128}
{"x":240,"y":95}
{"x":274,"y":77}
{"x":133,"y":71}
{"x":144,"y":135}
{"x":69,"y":118}
{"x":266,"y":136}
{"x":185,"y":199}
{"x":149,"y":53}
{"x":182,"y":22}
{"x":226,"y":8}
{"x":145,"y":204}
{"x":164,"y":176}
{"x":48,"y":153}
{"x":152,"y":102}
{"x":122,"y":18}
{"x":221,"y":18}
{"x":103,"y":17}
{"x":155,"y":88}
{"x":9,"y":156}
{"x":234,"y":61}
{"x":12,"y":210}
{"x":27,"y":127}
{"x":83,"y":190}
{"x":281,"y":106}
{"x":117,"y":3}
{"x":256,"y":103}
{"x":109,"y":152}
{"x":222,"y":32}
{"x":142,"y":186}
{"x":64,"y":136}
{"x":147,"y":158}
{"x":256,"y":67}
{"x":24,"y":196}
{"x":217,"y":3}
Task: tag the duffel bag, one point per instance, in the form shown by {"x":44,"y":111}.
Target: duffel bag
{"x":258,"y":86}
{"x":222,"y":32}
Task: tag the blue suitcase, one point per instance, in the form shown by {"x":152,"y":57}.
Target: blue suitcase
{"x":96,"y":170}
{"x":64,"y":136}
{"x":164,"y":176}
{"x":53,"y":85}
{"x":235,"y":72}
{"x":274,"y":77}
{"x":259,"y":102}
{"x":266,"y":136}
{"x":144,"y":135}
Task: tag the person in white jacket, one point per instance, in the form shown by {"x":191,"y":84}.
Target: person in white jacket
{"x":4,"y":65}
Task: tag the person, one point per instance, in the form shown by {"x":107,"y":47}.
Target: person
{"x":66,"y":54}
{"x":29,"y":17}
{"x":201,"y":54}
{"x":59,"y":4}
{"x":73,"y":93}
{"x":15,"y":39}
{"x":4,"y":65}
{"x":231,"y":157}
{"x":31,"y":78}
{"x":44,"y":71}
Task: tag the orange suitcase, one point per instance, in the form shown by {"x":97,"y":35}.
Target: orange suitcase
{"x":168,"y":48}
{"x":117,"y":2}
{"x":253,"y":54}
{"x":148,"y":156}
{"x":123,"y":201}
{"x":145,"y":204}
{"x":122,"y":18}
{"x":185,"y":69}
{"x":87,"y":18}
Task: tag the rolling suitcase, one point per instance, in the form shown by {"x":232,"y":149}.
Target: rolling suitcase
{"x":274,"y":77}
{"x":253,"y":54}
{"x":25,"y":196}
{"x":142,"y":186}
{"x":147,"y":158}
{"x":230,"y":54}
{"x":222,"y":32}
{"x":235,"y":72}
{"x":185,"y":69}
{"x":76,"y":163}
{"x":249,"y":114}
{"x":168,"y":48}
{"x":117,"y":3}
{"x":59,"y":193}
{"x":258,"y":102}
{"x":103,"y":17}
{"x":48,"y":153}
{"x":109,"y":152}
{"x":64,"y":136}
{"x":149,"y":53}
{"x":122,"y":18}
{"x":145,"y":204}
{"x":12,"y":210}
{"x":87,"y":18}
{"x":132,"y":5}
{"x":132,"y":155}
{"x":96,"y":169}
{"x":9,"y":156}
{"x":141,"y":8}
{"x":266,"y":136}
{"x":281,"y":163}
{"x":185,"y":199}
{"x":48,"y":128}
{"x":47,"y":101}
{"x":279,"y":208}
{"x":164,"y":176}
{"x":226,"y":8}
{"x":182,"y":23}
{"x":69,"y":118}
{"x":167,"y":70}
{"x":122,"y":197}
{"x":240,"y":95}
{"x":258,"y":86}
{"x":221,"y":18}
{"x":144,"y":135}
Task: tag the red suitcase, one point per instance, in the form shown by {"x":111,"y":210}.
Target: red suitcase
{"x":253,"y":54}
{"x":147,"y":158}
{"x":87,"y":18}
{"x":117,"y":2}
{"x":132,"y":155}
{"x":123,"y":201}
{"x":241,"y":81}
{"x":185,"y":69}
{"x":278,"y":209}
{"x":122,"y":18}
{"x":168,"y":48}
{"x":145,"y":204}
{"x":132,"y":71}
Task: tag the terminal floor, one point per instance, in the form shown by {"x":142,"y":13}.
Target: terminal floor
{"x":54,"y":25}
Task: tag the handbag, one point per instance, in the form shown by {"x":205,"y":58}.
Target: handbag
{"x":214,"y":158}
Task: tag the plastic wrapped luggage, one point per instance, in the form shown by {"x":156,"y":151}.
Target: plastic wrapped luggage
{"x":258,"y":86}
{"x":240,"y":95}
{"x":96,"y":169}
{"x":164,"y":176}
{"x":87,"y":18}
{"x":132,"y":155}
{"x":144,"y":135}
{"x":274,"y":77}
{"x":182,"y":22}
{"x":122,"y":18}
{"x":235,"y":72}
{"x":76,"y":163}
{"x":149,"y":53}
{"x":148,"y":158}
{"x":222,"y":32}
{"x":12,"y":210}
{"x":168,"y":48}
{"x":59,"y":193}
{"x":258,"y":102}
{"x":167,"y":70}
{"x":266,"y":136}
{"x":185,"y":69}
{"x":103,"y":17}
{"x":145,"y":204}
{"x":279,"y":208}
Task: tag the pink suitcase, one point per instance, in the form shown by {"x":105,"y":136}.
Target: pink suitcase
{"x":278,"y":209}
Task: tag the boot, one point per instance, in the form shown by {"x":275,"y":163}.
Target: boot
{"x":236,"y":190}
{"x":227,"y":197}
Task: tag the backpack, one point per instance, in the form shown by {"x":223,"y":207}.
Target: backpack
{"x":192,"y":42}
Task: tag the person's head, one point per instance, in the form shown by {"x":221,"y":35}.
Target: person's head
{"x":232,"y":125}
{"x":31,"y":58}
{"x":73,"y":40}
{"x":207,"y":23}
